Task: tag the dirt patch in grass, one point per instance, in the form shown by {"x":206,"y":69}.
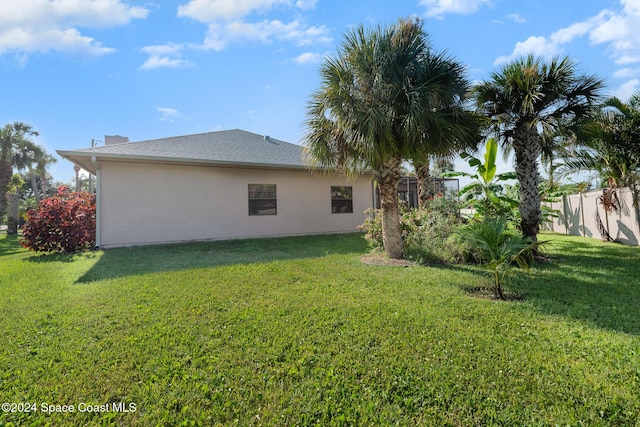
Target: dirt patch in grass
{"x":487,"y":293}
{"x":382,"y":259}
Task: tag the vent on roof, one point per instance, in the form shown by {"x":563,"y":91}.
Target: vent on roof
{"x":115,"y":139}
{"x":267,"y":137}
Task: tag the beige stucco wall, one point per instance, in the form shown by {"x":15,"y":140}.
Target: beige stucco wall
{"x":577,"y":217}
{"x":159,"y":203}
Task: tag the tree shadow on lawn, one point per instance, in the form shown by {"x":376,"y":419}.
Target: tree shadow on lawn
{"x":10,"y":244}
{"x":121,"y":262}
{"x":594,"y":284}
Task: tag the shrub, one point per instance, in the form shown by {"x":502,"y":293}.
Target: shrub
{"x":65,"y":222}
{"x":372,"y":228}
{"x":428,"y":234}
{"x":498,"y":249}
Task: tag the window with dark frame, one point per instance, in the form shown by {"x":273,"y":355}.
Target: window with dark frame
{"x":341,"y":199}
{"x":262,"y":199}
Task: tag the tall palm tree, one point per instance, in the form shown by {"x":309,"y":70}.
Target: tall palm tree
{"x":384,"y":98}
{"x":28,"y":155}
{"x":525,"y":99}
{"x":44,"y":160}
{"x":10,"y":135}
{"x":13,"y":203}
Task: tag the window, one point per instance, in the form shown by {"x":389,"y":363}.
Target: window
{"x":341,"y":199}
{"x":262,"y":199}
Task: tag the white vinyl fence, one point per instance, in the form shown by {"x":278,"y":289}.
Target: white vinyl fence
{"x":584,"y":215}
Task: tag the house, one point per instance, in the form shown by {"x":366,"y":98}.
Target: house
{"x":218,"y":185}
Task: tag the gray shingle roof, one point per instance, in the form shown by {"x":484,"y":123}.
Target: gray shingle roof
{"x":222,"y":147}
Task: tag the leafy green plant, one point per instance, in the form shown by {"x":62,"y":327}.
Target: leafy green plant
{"x":486,"y":194}
{"x":427,"y":233}
{"x":372,"y":228}
{"x":428,"y":237}
{"x":497,"y":249}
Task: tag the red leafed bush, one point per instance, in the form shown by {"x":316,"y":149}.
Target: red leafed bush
{"x":65,"y":222}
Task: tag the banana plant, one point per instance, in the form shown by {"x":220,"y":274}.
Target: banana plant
{"x":487,"y":194}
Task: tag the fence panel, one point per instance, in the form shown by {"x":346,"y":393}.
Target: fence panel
{"x":584,"y":215}
{"x":623,"y":223}
{"x":589,"y":212}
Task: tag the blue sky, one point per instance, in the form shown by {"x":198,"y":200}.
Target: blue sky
{"x":82,"y":69}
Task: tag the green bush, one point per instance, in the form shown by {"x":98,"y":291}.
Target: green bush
{"x":428,"y":234}
{"x":498,"y":249}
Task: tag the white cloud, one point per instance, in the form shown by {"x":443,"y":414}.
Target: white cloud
{"x":156,"y":61}
{"x":65,"y":41}
{"x":538,"y":46}
{"x":617,"y":30}
{"x":517,"y":18}
{"x":164,"y":56}
{"x":168,"y":114}
{"x":620,"y":32}
{"x":220,"y":36}
{"x":50,"y":25}
{"x":625,"y":73}
{"x":627,"y":59}
{"x":437,"y":8}
{"x":578,"y":29}
{"x":614,"y":29}
{"x":163,"y":49}
{"x":631,"y":6}
{"x":306,"y":4}
{"x":230,"y":22}
{"x":627,"y":89}
{"x":212,"y":10}
{"x":309,"y":58}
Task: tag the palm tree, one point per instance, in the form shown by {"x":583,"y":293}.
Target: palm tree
{"x":526,"y":99}
{"x":10,"y":136}
{"x":613,"y":150}
{"x":384,"y":98}
{"x":44,"y":160}
{"x":13,"y":203}
{"x":28,"y":155}
{"x":497,"y":250}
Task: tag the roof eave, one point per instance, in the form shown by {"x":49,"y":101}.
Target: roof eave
{"x":84,"y":160}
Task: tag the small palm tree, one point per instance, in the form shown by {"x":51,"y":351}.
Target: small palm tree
{"x":497,"y":249}
{"x":525,"y":100}
{"x":386,"y":97}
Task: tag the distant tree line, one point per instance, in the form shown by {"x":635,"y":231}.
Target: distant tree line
{"x":23,"y":172}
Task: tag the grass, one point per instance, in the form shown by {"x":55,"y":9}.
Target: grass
{"x":297,"y":331}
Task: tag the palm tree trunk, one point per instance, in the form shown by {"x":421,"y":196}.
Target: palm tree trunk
{"x":526,"y":146}
{"x":45,"y":186}
{"x":44,"y":183}
{"x":5,"y":176}
{"x":34,"y":186}
{"x":388,"y":188}
{"x":13,"y":202}
{"x":423,"y":178}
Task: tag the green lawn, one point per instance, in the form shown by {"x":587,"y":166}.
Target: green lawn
{"x":297,"y":331}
